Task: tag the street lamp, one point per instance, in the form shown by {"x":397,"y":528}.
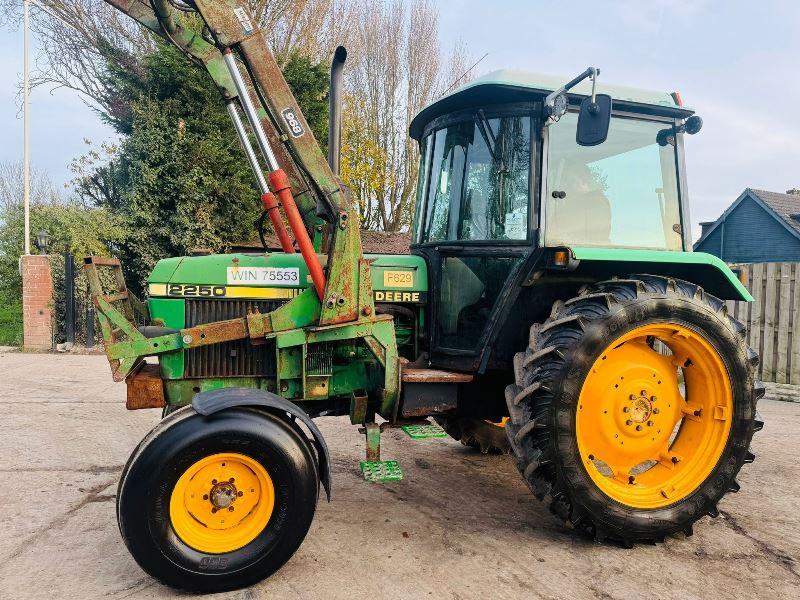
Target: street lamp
{"x":42,"y":241}
{"x":26,"y":160}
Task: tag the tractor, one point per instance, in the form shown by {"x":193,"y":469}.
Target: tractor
{"x":550,"y":307}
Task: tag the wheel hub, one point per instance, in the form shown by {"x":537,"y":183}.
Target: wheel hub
{"x":641,"y":408}
{"x":644,"y":440}
{"x":222,"y":502}
{"x":223,"y":494}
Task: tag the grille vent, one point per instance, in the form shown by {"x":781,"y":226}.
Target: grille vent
{"x":228,"y":359}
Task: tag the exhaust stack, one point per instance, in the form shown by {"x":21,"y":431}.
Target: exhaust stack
{"x":335,"y":109}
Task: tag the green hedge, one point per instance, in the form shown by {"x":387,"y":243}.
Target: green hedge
{"x":10,"y":321}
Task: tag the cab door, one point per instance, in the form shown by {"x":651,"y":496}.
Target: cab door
{"x":475,"y":223}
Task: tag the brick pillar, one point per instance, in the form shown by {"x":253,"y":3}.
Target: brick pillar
{"x":37,"y":302}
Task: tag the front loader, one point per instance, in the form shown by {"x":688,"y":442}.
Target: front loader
{"x":550,"y":308}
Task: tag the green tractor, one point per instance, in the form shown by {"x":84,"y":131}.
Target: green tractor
{"x":551,"y":307}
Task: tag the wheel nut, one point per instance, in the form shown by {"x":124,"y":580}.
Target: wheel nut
{"x":631,"y":479}
{"x":240,"y":494}
{"x":644,"y":393}
{"x":214,"y":482}
{"x":213,"y":510}
{"x":675,"y":460}
{"x":628,"y":422}
{"x":638,"y":428}
{"x":625,"y":409}
{"x":655,"y":411}
{"x":649,"y":423}
{"x":230,"y":509}
{"x":633,"y":396}
{"x":231,"y":480}
{"x":653,"y":398}
{"x":205,"y":496}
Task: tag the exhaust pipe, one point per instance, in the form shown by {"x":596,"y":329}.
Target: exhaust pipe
{"x":335,"y":109}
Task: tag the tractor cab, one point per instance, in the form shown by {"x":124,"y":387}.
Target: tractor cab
{"x":513,"y":164}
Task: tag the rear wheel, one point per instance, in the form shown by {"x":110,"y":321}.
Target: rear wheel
{"x":634,"y":407}
{"x":487,"y":437}
{"x":220,"y":502}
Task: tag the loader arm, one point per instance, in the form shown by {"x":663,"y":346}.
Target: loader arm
{"x":212,"y":33}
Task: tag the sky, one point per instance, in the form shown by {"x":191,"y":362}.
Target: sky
{"x":734,"y":62}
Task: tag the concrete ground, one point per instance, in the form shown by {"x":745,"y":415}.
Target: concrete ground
{"x":460,"y":525}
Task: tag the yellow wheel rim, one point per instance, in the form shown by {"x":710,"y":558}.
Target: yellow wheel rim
{"x":222,"y":503}
{"x":644,"y":442}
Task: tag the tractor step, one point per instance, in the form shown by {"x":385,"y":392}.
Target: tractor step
{"x":423,"y":431}
{"x":381,"y":470}
{"x":429,"y":391}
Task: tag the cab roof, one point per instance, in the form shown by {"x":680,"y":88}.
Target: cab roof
{"x":508,"y":85}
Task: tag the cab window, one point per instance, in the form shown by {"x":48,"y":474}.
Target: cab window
{"x":478,"y":187}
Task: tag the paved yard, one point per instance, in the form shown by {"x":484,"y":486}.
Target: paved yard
{"x":460,"y":525}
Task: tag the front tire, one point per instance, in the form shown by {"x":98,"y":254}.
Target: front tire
{"x":262,"y":481}
{"x":593,"y":380}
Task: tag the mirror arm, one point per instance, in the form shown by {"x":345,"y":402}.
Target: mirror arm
{"x":590,"y":72}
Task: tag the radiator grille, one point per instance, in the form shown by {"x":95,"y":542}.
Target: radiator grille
{"x":228,"y":359}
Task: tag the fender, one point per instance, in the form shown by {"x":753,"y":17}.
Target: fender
{"x":212,"y":401}
{"x":716,"y":277}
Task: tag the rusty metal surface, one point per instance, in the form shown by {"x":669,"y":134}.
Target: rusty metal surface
{"x":214,"y":333}
{"x":427,"y":410}
{"x":417,"y":375}
{"x":145,"y":389}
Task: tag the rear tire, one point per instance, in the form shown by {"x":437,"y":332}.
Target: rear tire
{"x":150,"y":515}
{"x":484,"y":436}
{"x":552,"y":397}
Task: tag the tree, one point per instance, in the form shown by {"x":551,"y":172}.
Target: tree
{"x":309,"y":84}
{"x":396,"y":70}
{"x":80,"y":39}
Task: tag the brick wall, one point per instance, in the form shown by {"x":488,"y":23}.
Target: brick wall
{"x":37,"y":301}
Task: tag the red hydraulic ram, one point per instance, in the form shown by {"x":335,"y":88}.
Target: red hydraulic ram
{"x":271,"y":208}
{"x":280,"y":184}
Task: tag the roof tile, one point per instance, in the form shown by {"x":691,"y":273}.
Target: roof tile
{"x":785,"y":205}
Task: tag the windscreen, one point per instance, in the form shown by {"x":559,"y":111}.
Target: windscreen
{"x":621,"y":193}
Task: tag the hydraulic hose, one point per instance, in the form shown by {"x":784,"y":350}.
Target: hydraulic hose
{"x":281,"y":188}
{"x":271,"y":210}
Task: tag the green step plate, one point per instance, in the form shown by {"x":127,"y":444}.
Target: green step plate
{"x":381,"y":470}
{"x":421,"y":432}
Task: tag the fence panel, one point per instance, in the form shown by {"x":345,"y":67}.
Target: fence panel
{"x":771,"y":318}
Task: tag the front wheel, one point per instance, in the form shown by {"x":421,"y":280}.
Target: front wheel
{"x":217,"y":503}
{"x":634,"y":407}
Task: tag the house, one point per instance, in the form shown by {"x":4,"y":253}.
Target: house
{"x":758,"y":227}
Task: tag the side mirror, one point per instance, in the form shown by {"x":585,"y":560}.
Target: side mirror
{"x":593,"y":120}
{"x":693,"y":125}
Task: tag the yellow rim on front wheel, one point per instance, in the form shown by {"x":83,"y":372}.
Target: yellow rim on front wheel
{"x":644,"y":441}
{"x":222,"y":503}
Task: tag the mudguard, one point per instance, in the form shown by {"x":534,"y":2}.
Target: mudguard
{"x":212,"y":401}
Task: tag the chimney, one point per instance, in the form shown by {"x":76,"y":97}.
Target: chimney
{"x":793,"y":192}
{"x":705,"y":226}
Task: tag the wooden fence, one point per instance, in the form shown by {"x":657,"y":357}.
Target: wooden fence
{"x":772,"y":318}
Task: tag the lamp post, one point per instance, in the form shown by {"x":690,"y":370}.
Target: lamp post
{"x":42,"y":241}
{"x":26,"y":159}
